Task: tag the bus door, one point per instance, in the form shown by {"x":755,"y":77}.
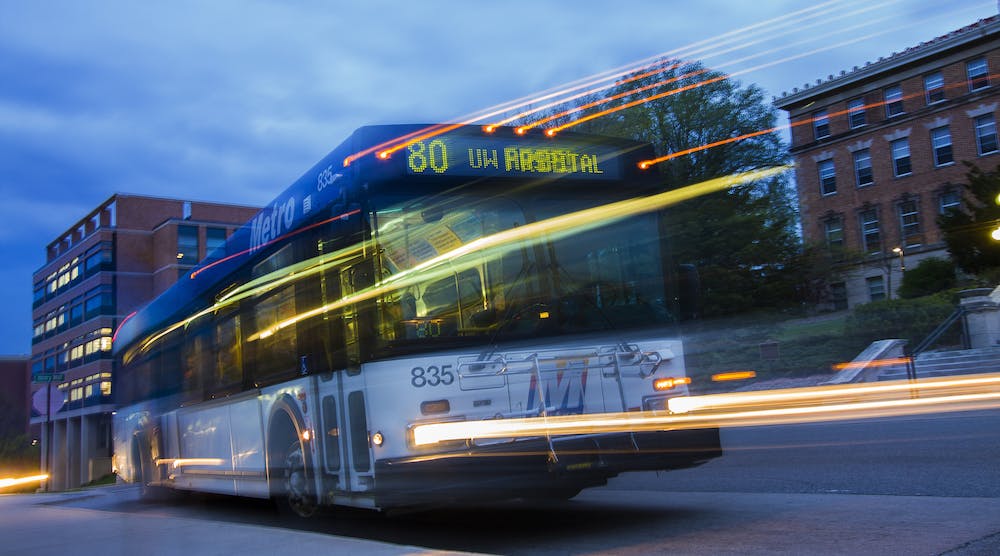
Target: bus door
{"x":358,"y":321}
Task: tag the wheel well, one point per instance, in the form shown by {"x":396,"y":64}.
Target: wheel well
{"x":282,"y":431}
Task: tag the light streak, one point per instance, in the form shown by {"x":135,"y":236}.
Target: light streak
{"x":738,"y":36}
{"x":177,"y":463}
{"x":645,"y":164}
{"x":733,"y":375}
{"x":874,"y":363}
{"x":526,"y":235}
{"x":14,"y":481}
{"x":743,"y":410}
{"x":553,"y":130}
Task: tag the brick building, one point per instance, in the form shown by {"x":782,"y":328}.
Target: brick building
{"x":106,"y":265}
{"x":878,"y":152}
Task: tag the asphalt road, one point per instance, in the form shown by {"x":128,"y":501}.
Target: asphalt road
{"x":917,"y":485}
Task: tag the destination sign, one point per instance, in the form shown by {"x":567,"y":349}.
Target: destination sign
{"x":488,"y":156}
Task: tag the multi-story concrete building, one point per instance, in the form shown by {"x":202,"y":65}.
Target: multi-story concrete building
{"x":105,"y":266}
{"x":879,"y":149}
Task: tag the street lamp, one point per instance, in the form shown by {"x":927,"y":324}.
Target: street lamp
{"x":902,"y":261}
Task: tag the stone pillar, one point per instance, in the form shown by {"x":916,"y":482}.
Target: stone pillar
{"x":982,"y":317}
{"x":86,"y":447}
{"x":57,"y":479}
{"x":73,"y":449}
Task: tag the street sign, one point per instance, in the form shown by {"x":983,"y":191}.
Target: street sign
{"x":48,"y":377}
{"x":48,"y":399}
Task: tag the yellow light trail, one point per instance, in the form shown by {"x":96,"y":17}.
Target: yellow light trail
{"x":778,"y":407}
{"x":738,"y":36}
{"x":15,"y":481}
{"x":526,"y":235}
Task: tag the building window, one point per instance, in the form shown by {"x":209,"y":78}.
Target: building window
{"x":821,"y":124}
{"x":909,"y":223}
{"x":978,"y":74}
{"x":934,"y":87}
{"x":986,"y":134}
{"x":863,"y":168}
{"x":948,"y":201}
{"x":834,"y":232}
{"x":901,"y":157}
{"x":827,"y":177}
{"x":893,"y":101}
{"x":214,"y":238}
{"x":871,"y":239}
{"x":187,"y":244}
{"x":876,"y":288}
{"x":941,"y":143}
{"x":856,"y":112}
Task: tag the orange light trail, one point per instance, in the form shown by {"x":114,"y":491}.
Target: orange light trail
{"x":645,"y":164}
{"x":386,"y":148}
{"x":733,"y":375}
{"x":604,"y":100}
{"x":275,"y":240}
{"x":740,"y":46}
{"x":875,"y":363}
{"x":764,"y":408}
{"x":554,"y":130}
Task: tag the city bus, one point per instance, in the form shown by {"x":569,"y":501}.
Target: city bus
{"x":466,"y":275}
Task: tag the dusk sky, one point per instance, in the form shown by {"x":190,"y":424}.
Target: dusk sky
{"x":230,"y":101}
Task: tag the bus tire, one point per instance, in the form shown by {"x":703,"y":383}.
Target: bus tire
{"x":145,"y":472}
{"x":297,"y":495}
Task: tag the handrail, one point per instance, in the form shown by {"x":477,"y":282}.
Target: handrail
{"x":937,"y":332}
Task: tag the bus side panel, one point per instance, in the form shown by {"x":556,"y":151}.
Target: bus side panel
{"x":205,"y":435}
{"x":248,"y":448}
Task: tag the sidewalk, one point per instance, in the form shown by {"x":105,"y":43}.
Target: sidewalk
{"x":39,"y":525}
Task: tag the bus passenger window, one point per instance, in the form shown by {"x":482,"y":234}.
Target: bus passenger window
{"x":228,"y":373}
{"x":275,"y":341}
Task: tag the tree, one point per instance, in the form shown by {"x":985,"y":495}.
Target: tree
{"x":743,"y":241}
{"x":967,"y":230}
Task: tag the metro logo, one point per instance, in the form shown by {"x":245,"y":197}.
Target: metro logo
{"x":563,"y":391}
{"x":266,"y":227}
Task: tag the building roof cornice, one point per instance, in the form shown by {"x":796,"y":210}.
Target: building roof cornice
{"x":925,"y":50}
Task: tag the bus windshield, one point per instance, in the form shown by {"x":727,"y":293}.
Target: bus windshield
{"x":495,"y":268}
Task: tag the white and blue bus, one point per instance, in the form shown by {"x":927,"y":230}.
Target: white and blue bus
{"x":463,"y":276}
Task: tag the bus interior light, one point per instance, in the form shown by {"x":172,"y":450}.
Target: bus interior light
{"x":669,"y":383}
{"x":435,"y":407}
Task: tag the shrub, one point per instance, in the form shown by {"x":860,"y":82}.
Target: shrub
{"x":930,"y":276}
{"x":908,"y":319}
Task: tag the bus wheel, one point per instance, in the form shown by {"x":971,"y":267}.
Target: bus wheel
{"x":299,"y":495}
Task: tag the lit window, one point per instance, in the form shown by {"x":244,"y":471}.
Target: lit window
{"x":893,"y":101}
{"x":941,"y":143}
{"x":827,"y":177}
{"x":863,"y":168}
{"x":934,"y":87}
{"x":821,"y":124}
{"x":856,"y":112}
{"x":978,"y":73}
{"x":986,"y":134}
{"x":901,"y":157}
